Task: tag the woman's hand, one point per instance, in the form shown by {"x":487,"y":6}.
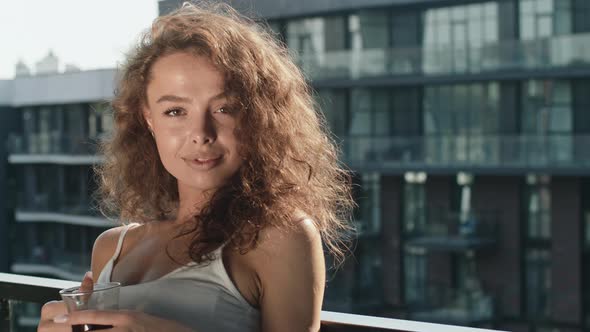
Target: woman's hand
{"x":54,"y":309}
{"x":48,"y":312}
{"x":121,"y":320}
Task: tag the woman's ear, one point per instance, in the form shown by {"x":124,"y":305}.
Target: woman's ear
{"x":147,"y":115}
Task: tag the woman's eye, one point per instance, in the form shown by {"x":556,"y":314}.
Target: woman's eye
{"x":223,"y":110}
{"x":173,"y":112}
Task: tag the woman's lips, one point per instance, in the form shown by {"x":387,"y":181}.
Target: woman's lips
{"x":204,"y":163}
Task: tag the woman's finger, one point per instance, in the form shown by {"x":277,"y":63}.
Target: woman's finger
{"x":50,"y":326}
{"x":52,"y":309}
{"x":87,"y":283}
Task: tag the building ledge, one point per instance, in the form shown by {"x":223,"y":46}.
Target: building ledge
{"x":63,"y":218}
{"x":62,"y":159}
{"x":44,"y":269}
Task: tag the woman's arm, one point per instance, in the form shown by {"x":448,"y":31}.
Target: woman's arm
{"x":291,"y":269}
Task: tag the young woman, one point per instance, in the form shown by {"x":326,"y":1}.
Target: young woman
{"x":227,"y":179}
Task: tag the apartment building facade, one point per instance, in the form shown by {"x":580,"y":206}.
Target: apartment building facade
{"x":467,"y":124}
{"x":51,"y":124}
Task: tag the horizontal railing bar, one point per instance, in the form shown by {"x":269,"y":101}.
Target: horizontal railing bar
{"x":31,"y":289}
{"x":389,"y":324}
{"x":41,"y":290}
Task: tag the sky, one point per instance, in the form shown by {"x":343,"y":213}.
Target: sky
{"x":89,"y":34}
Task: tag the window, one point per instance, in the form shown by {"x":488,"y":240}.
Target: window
{"x":405,"y":112}
{"x":335,"y":33}
{"x":547,"y":119}
{"x":538,"y":282}
{"x":415,"y":290}
{"x":306,"y":36}
{"x":374,"y":29}
{"x":544,"y":18}
{"x":461,"y":116}
{"x":451,"y":33}
{"x":368,"y":214}
{"x":538,"y":207}
{"x":369,"y":274}
{"x":334,"y":105}
{"x":405,"y":29}
{"x":547,"y":107}
{"x":581,"y":105}
{"x":581,"y":10}
{"x":414,"y":202}
{"x":317,"y":35}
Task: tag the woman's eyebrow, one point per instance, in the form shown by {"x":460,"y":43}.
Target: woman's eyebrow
{"x":173,"y":98}
{"x":220,"y":95}
{"x":177,"y":99}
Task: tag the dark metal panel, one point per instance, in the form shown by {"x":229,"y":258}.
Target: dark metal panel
{"x":8,"y":121}
{"x":290,"y":8}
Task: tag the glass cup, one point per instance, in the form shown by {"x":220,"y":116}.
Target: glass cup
{"x":104,"y":296}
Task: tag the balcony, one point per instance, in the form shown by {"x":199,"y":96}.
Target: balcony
{"x":61,"y":209}
{"x":452,"y":306}
{"x":54,"y":147}
{"x":493,"y":153}
{"x":49,"y":261}
{"x":16,"y":290}
{"x":559,"y":52}
{"x":453,"y":231}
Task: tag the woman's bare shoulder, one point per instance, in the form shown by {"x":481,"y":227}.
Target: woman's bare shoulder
{"x":278,"y":246}
{"x":104,"y":248}
{"x":290,"y":264}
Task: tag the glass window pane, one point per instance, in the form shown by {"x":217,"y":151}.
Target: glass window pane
{"x":538,"y":285}
{"x":491,"y":10}
{"x":563,"y":23}
{"x":474,"y":12}
{"x":374,"y":29}
{"x":545,"y":26}
{"x":527,"y":28}
{"x":361,"y":124}
{"x":491,"y":29}
{"x":442,"y":15}
{"x":335,"y":33}
{"x":561,"y":120}
{"x":475,"y":33}
{"x":562,"y":93}
{"x":382,"y":123}
{"x":459,"y":35}
{"x":544,"y":6}
{"x":458,"y":13}
{"x":527,"y":6}
{"x":443,"y":35}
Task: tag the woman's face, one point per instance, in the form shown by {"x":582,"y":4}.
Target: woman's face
{"x":193,"y":127}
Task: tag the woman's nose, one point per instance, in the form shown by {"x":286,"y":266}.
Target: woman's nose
{"x":202,"y":130}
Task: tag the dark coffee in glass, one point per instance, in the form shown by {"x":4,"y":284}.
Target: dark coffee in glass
{"x":90,"y":327}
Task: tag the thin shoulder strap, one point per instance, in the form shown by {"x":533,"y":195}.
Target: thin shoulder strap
{"x":120,"y":243}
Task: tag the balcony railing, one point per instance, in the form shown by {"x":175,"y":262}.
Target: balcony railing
{"x":15,"y":289}
{"x":438,"y":229}
{"x":44,"y":260}
{"x":540,"y":54}
{"x":52,"y":143}
{"x":58,"y":203}
{"x":466,"y":152}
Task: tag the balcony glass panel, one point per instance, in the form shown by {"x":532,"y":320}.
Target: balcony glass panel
{"x":441,"y":58}
{"x":460,"y":151}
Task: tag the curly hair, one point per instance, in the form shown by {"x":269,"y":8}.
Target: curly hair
{"x":290,"y":163}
